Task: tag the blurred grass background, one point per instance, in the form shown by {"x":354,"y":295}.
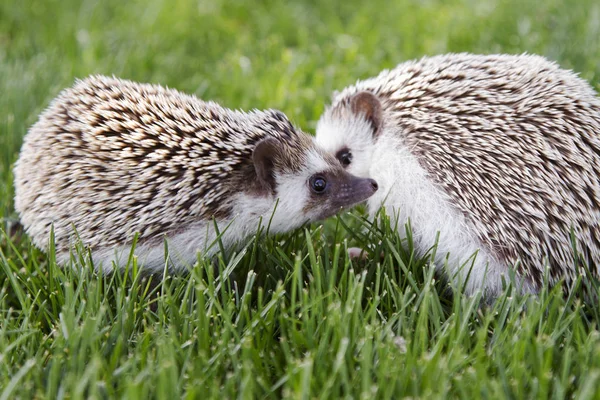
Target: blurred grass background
{"x":288,"y":55}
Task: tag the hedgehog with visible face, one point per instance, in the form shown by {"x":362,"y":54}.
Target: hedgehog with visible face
{"x":113,"y":158}
{"x":500,"y":154}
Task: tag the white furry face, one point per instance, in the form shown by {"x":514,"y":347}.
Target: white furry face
{"x":292,"y":195}
{"x":349,"y":138}
{"x":318,"y":190}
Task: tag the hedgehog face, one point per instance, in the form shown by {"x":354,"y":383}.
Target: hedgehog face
{"x":318,"y":188}
{"x":349,"y":131}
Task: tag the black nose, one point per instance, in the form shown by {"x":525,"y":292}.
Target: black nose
{"x":374,"y":184}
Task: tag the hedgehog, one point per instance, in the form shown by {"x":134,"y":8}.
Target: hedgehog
{"x":498,"y":154}
{"x":111,"y":161}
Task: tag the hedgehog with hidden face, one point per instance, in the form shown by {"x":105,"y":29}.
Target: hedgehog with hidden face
{"x":500,"y":154}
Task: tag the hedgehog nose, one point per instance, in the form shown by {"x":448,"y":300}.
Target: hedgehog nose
{"x":374,"y":184}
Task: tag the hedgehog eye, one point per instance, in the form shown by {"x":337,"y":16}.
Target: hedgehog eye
{"x":318,"y":184}
{"x":344,"y":156}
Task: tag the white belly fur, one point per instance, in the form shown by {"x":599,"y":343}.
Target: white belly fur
{"x":199,"y":238}
{"x":183,"y":249}
{"x":408,"y":193}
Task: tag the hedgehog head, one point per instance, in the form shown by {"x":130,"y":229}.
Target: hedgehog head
{"x":307,"y":183}
{"x":349,"y":129}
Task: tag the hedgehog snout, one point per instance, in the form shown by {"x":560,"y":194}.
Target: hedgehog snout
{"x":374,"y":185}
{"x":356,"y":190}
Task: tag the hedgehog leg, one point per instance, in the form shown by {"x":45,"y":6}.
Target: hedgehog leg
{"x":356,"y":253}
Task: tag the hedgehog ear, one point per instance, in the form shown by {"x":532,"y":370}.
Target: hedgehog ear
{"x":367,"y":104}
{"x":263,"y":157}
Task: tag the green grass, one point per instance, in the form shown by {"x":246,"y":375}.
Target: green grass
{"x":299,"y":320}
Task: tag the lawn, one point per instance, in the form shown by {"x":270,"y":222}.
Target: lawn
{"x":288,"y":316}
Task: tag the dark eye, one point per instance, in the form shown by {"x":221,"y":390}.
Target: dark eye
{"x":318,"y":184}
{"x":344,"y":156}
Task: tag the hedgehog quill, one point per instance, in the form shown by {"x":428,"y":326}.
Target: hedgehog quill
{"x":500,"y":154}
{"x":113,"y":158}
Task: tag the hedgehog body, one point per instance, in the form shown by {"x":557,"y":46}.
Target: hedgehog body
{"x":113,"y":158}
{"x":500,"y":154}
